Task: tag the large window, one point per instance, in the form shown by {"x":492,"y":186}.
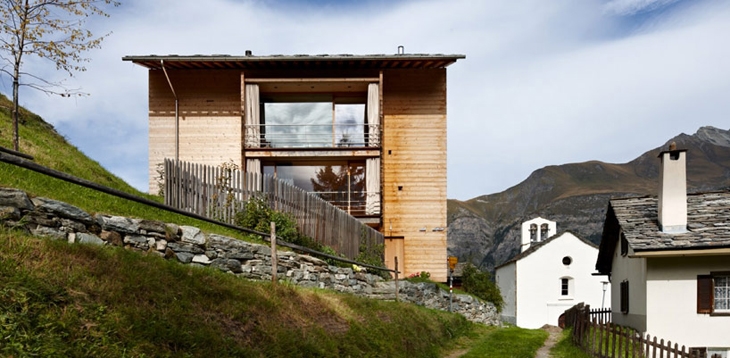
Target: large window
{"x":713,"y":293}
{"x":313,"y":121}
{"x":341,"y":183}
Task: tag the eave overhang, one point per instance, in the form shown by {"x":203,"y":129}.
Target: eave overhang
{"x":721,"y":251}
{"x":279,"y":62}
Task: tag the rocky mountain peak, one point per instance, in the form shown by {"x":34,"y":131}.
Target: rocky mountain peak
{"x":485,"y":230}
{"x":714,"y":136}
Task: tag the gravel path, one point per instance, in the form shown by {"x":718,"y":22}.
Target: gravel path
{"x":544,"y":351}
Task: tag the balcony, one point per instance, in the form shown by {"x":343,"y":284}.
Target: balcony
{"x":312,"y":136}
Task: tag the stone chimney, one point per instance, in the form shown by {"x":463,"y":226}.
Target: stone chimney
{"x":672,"y":208}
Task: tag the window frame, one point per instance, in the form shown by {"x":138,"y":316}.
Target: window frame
{"x":706,"y":294}
{"x":624,"y":296}
{"x":566,"y":288}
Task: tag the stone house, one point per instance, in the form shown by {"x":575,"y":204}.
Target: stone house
{"x":668,"y":260}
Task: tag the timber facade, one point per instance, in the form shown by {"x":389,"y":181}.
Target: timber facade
{"x":366,"y":133}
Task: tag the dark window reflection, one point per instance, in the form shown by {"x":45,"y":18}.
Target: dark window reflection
{"x":340,"y":183}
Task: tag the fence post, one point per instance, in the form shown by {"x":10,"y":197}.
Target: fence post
{"x":396,"y":279}
{"x":274,"y":257}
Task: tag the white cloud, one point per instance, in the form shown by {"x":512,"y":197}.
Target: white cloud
{"x":631,"y":7}
{"x":544,"y":82}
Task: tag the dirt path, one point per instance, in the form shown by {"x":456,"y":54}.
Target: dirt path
{"x":544,"y":351}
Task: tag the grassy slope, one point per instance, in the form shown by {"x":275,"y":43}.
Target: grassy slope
{"x":77,"y":300}
{"x":61,"y":300}
{"x":50,"y":149}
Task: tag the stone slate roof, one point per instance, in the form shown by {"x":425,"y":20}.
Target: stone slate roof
{"x":536,"y":246}
{"x":708,"y":226}
{"x":708,"y":223}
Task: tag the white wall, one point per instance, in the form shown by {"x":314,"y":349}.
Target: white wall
{"x":633,"y":270}
{"x":672,"y":302}
{"x":506,"y":281}
{"x":539,"y":299}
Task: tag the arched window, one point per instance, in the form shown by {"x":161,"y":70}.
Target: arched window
{"x":533,"y":232}
{"x":544,"y":231}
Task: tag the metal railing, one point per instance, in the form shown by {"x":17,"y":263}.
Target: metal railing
{"x":221,"y":193}
{"x":311,"y":135}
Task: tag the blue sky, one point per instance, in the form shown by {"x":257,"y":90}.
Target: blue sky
{"x":543,"y":82}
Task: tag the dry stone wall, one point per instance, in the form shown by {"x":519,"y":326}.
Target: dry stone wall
{"x":189,"y":245}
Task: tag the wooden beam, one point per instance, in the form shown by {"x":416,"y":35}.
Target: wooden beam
{"x":308,"y":80}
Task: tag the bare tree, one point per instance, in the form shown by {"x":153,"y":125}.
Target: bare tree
{"x":52,"y":30}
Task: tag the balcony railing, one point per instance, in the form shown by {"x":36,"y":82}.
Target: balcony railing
{"x":354,"y":203}
{"x":311,"y":136}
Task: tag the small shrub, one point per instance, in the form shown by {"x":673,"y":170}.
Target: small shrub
{"x":480,"y":284}
{"x":257,"y":215}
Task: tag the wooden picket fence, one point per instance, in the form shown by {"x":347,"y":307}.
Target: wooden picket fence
{"x":220,"y":192}
{"x":600,"y":338}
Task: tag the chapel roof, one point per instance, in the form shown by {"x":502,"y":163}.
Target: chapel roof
{"x":536,"y":246}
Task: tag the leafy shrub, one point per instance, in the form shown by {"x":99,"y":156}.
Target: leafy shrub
{"x":480,"y":284}
{"x":257,"y":215}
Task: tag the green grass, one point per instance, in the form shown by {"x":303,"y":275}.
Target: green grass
{"x":510,"y":342}
{"x":58,"y":299}
{"x":566,"y":349}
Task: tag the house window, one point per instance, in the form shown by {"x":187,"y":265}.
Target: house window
{"x":341,"y":183}
{"x":313,"y":121}
{"x":624,"y":245}
{"x":566,"y":288}
{"x":567,"y":260}
{"x":713,"y":293}
{"x":625,"y":296}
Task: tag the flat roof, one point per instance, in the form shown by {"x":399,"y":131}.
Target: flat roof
{"x":344,"y":61}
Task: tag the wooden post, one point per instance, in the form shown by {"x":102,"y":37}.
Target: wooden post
{"x":396,"y":279}
{"x":274,"y":257}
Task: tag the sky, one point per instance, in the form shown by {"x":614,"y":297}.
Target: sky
{"x":543,"y":82}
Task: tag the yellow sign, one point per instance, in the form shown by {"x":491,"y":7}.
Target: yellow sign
{"x":452,"y":262}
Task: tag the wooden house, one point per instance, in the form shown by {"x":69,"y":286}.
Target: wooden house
{"x":367,"y":133}
{"x":668,"y":259}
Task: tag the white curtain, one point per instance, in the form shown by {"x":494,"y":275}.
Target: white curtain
{"x":372,"y":182}
{"x":373,"y":115}
{"x":251,"y":116}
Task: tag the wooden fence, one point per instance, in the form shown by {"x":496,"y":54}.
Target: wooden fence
{"x":600,"y":338}
{"x":220,"y":192}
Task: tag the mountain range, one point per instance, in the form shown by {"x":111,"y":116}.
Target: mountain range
{"x":485,"y":230}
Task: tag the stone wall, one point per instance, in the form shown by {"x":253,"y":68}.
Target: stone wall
{"x":188,"y":245}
